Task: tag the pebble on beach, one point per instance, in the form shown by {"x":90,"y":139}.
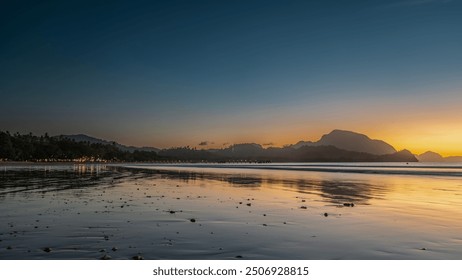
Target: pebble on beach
{"x":348,"y":204}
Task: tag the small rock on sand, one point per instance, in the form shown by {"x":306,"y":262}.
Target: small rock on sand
{"x":348,"y":204}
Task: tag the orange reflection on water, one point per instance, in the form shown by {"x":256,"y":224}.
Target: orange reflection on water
{"x":423,"y":203}
{"x":176,"y":212}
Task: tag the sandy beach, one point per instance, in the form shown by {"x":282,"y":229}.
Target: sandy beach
{"x":116,"y":212}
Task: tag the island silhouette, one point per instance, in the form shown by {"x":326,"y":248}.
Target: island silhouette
{"x":336,"y":146}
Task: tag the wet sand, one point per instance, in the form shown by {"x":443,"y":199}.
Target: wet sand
{"x":115,"y":212}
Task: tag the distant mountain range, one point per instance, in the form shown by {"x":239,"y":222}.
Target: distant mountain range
{"x":338,"y":145}
{"x":430,"y":156}
{"x":330,"y":153}
{"x":341,"y":139}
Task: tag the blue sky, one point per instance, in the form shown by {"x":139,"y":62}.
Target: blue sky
{"x":168,"y":73}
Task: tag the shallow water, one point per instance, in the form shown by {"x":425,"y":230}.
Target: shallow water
{"x":284,"y":211}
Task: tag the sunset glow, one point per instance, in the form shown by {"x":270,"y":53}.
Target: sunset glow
{"x":164,"y":75}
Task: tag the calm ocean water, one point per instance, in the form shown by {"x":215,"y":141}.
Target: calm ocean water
{"x":227,"y":211}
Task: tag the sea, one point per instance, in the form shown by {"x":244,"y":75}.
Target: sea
{"x":287,"y":211}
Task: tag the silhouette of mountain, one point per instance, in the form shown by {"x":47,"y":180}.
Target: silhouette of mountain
{"x":69,"y":147}
{"x":430,"y":156}
{"x":254,"y":152}
{"x":337,"y":146}
{"x":401,"y":156}
{"x":303,"y":143}
{"x":93,"y":140}
{"x":334,"y":154}
{"x":351,"y":141}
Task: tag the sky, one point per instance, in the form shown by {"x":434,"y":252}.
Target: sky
{"x":177,"y":73}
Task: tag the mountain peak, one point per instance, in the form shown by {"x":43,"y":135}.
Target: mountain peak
{"x":347,"y":132}
{"x":430,"y":156}
{"x":353,"y":141}
{"x":344,"y":134}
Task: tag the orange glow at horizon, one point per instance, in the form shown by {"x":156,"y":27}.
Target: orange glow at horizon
{"x":427,"y":125}
{"x":444,"y":142}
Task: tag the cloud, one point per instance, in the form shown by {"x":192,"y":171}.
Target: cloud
{"x":268,"y":144}
{"x":205,"y":143}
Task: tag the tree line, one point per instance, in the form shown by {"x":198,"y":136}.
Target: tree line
{"x":28,"y":147}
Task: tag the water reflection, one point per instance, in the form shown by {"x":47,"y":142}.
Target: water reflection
{"x":338,"y":191}
{"x":334,"y":191}
{"x":50,"y":178}
{"x":89,"y":169}
{"x":83,"y":211}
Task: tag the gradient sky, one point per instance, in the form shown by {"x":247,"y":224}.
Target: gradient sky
{"x":171,"y":73}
